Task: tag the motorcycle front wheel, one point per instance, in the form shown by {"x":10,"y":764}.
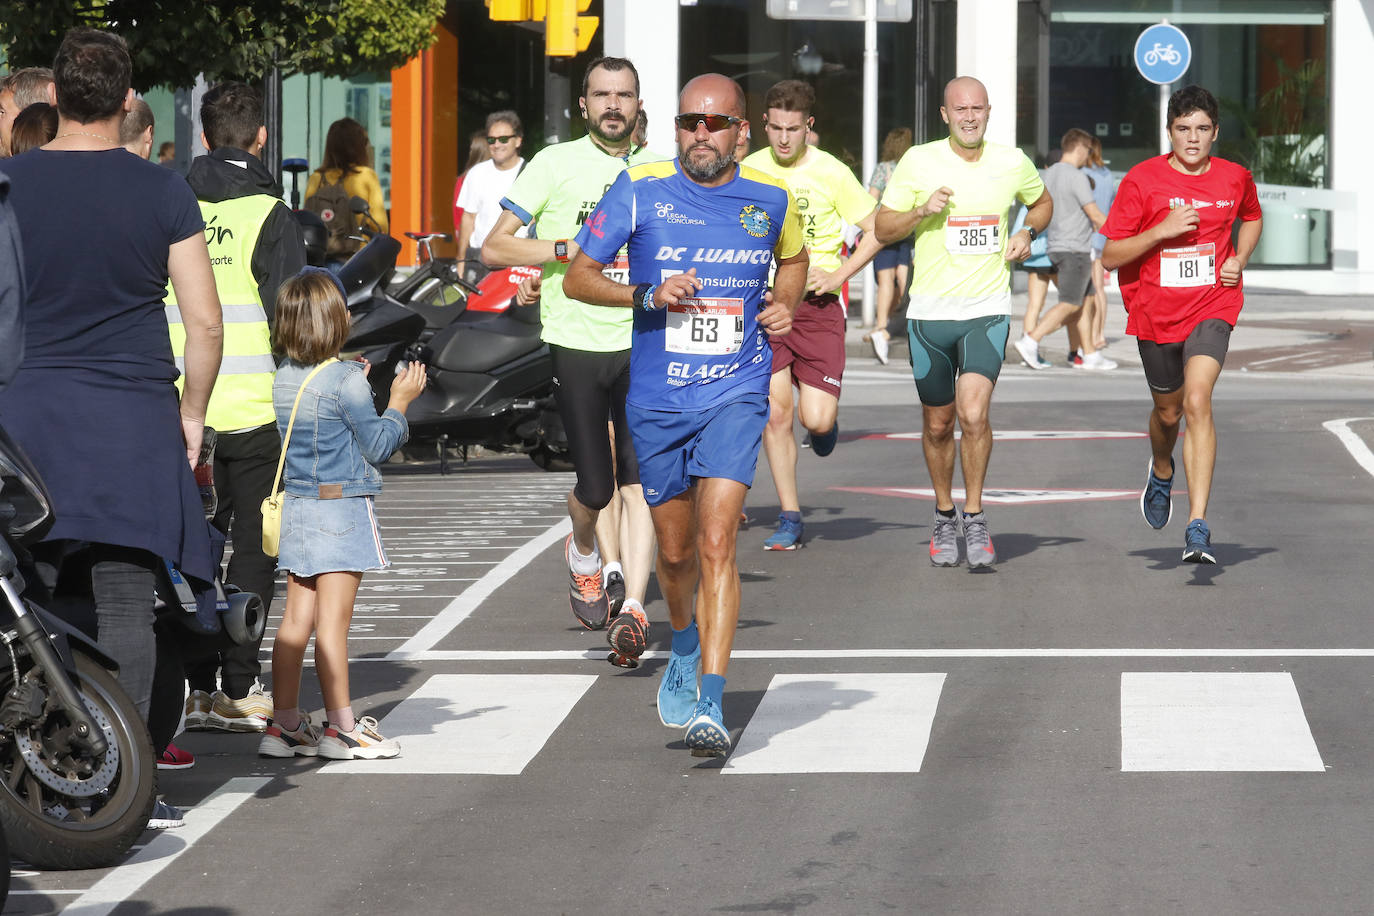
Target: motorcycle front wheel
{"x":60,"y":811}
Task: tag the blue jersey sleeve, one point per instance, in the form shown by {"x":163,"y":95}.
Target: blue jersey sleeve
{"x":609,"y":227}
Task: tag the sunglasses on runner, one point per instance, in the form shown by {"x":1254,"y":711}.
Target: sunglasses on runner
{"x":506,"y":139}
{"x":713,"y":122}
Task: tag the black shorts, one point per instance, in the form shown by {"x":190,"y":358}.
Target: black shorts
{"x":1164,"y":362}
{"x":590,"y":388}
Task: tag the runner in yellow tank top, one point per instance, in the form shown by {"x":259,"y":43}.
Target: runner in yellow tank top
{"x":829,"y":198}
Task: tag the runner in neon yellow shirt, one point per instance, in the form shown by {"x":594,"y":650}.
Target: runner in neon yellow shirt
{"x":829,"y":198}
{"x":955,"y":194}
{"x":590,"y":344}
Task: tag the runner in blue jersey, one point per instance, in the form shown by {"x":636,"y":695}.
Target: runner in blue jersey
{"x":702,"y":234}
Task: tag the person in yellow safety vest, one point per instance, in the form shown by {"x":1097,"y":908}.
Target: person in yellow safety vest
{"x":255,"y":245}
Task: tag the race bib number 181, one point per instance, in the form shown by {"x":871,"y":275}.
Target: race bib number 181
{"x":706,"y":327}
{"x":972,"y":235}
{"x":1191,"y":266}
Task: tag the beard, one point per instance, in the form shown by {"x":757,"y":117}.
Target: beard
{"x":712,"y":168}
{"x":612,"y":135}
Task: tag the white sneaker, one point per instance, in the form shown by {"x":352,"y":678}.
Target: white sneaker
{"x":1030,"y":352}
{"x":364,"y":742}
{"x":880,"y":346}
{"x":1096,"y":361}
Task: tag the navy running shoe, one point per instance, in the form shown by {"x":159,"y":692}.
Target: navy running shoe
{"x":1155,"y":504}
{"x":678,"y":691}
{"x":824,"y":444}
{"x":1197,"y":543}
{"x":615,"y":592}
{"x":707,"y":735}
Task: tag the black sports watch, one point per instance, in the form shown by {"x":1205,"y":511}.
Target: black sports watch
{"x":560,"y":251}
{"x":1031,"y":231}
{"x":644,"y":296}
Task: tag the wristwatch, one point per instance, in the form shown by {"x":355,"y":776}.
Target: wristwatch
{"x":560,"y":251}
{"x":1031,"y":231}
{"x":644,"y":296}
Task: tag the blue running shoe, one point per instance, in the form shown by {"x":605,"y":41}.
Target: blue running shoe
{"x":678,"y":691}
{"x":707,"y":735}
{"x":1197,"y":543}
{"x":1155,"y":504}
{"x":824,"y":444}
{"x":787,"y":537}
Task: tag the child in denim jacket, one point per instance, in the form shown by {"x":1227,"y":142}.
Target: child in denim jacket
{"x":329,"y":533}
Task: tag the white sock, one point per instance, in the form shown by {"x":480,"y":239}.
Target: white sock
{"x":583,"y":566}
{"x":610,"y":568}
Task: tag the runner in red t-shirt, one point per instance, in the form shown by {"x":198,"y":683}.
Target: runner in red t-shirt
{"x":1169,"y":233}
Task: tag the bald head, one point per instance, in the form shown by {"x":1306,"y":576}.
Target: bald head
{"x":965,"y":85}
{"x":712,"y":93}
{"x":966,"y":111}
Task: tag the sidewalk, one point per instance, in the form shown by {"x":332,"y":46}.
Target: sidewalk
{"x":1277,"y":332}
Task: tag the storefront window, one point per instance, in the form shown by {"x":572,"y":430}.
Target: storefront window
{"x":1264,"y":61}
{"x":738,"y":39}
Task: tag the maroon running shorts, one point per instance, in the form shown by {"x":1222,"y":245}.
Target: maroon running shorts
{"x":815,"y":347}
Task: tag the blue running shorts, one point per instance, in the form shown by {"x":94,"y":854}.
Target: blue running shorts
{"x":676,"y":447}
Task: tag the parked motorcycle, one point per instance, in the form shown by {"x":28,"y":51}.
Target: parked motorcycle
{"x":490,"y":376}
{"x":76,"y":764}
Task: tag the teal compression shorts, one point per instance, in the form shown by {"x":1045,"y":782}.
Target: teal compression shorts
{"x":943,"y":350}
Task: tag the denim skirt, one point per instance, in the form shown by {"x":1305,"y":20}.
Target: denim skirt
{"x":330,"y":535}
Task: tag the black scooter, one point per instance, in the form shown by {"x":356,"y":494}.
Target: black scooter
{"x":490,"y":376}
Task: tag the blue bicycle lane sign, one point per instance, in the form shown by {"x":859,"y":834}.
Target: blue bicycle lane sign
{"x":1162,"y":53}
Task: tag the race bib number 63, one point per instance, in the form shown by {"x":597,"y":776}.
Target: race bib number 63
{"x":707,"y":327}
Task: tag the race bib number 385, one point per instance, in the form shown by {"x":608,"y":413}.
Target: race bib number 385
{"x":707,"y":327}
{"x":972,"y":235}
{"x":1191,"y":266}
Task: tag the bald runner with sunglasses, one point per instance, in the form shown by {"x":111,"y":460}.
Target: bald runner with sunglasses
{"x":701,"y":233}
{"x":611,"y":547}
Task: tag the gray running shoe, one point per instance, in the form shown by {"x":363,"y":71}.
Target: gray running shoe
{"x":977,"y":541}
{"x":944,"y":541}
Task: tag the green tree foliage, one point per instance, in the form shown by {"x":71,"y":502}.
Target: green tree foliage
{"x":171,"y":41}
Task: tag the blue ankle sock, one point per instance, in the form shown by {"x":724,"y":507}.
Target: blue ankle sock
{"x":713,"y":688}
{"x":685,"y":641}
{"x":792,"y":516}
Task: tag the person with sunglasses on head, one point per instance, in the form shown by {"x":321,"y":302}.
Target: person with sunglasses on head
{"x":955,"y":194}
{"x":1169,"y":234}
{"x":702,"y":233}
{"x":609,"y":552}
{"x":829,"y":198}
{"x":484,"y":185}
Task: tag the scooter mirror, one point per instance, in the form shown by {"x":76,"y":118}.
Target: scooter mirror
{"x":358,"y":205}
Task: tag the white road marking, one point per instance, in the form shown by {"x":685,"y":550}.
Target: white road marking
{"x":840,"y":723}
{"x":474,"y":723}
{"x":1002,"y":495}
{"x":1221,"y":721}
{"x":1031,"y":435}
{"x":1287,"y":357}
{"x":461,"y":607}
{"x":123,"y":882}
{"x":1352,"y":442}
{"x":599,"y":654}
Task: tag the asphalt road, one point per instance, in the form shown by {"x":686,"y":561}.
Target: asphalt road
{"x":1091,"y":726}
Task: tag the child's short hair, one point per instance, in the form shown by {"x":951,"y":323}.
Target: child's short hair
{"x":312,"y":318}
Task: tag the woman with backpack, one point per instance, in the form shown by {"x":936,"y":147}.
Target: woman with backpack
{"x":345,"y":174}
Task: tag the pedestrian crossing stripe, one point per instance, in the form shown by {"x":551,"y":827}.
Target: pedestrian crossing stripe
{"x":840,"y":723}
{"x":1004,"y":496}
{"x":851,"y":722}
{"x":1028,"y":435}
{"x":1214,"y":721}
{"x":475,"y":723}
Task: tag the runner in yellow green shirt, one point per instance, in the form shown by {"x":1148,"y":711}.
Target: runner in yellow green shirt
{"x":955,"y":194}
{"x":829,"y":198}
{"x":590,"y":344}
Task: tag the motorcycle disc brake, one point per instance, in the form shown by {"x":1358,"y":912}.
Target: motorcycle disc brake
{"x":43,"y":771}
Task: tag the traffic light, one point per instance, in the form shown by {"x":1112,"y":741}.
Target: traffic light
{"x":567,"y":34}
{"x":510,"y":10}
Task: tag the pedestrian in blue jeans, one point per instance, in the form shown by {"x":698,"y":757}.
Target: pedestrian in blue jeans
{"x":329,"y":535}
